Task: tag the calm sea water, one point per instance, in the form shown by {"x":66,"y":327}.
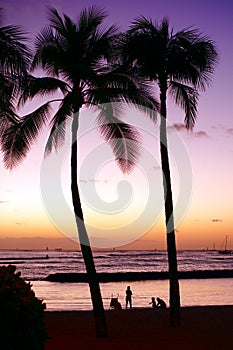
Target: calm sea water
{"x":36,"y":265}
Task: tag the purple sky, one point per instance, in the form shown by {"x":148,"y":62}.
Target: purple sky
{"x":212,"y":18}
{"x":210,"y":146}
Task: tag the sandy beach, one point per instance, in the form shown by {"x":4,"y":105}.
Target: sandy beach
{"x":202,"y":328}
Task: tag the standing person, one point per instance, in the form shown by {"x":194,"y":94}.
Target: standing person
{"x":128,"y":298}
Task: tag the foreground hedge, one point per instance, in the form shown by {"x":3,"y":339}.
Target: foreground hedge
{"x":21,"y":313}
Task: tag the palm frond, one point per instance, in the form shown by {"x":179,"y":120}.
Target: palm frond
{"x":14,"y":54}
{"x":18,"y":138}
{"x":100,"y":45}
{"x":119,"y":85}
{"x":142,"y":24}
{"x":186,"y":97}
{"x":205,"y":57}
{"x":58,"y":125}
{"x":49,"y":54}
{"x":89,"y":19}
{"x":7,"y":119}
{"x":43,"y":39}
{"x":41,"y":86}
{"x":6,"y":89}
{"x":123,"y":138}
{"x":192,"y":58}
{"x":8,"y":98}
{"x":55,"y":19}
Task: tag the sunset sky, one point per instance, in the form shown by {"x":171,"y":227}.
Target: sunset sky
{"x":127,"y":210}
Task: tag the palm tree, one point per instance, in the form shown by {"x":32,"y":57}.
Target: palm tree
{"x":181,"y":64}
{"x":74,"y":56}
{"x":14,"y":60}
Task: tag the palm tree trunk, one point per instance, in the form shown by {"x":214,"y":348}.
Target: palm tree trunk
{"x":97,"y":302}
{"x":171,"y":243}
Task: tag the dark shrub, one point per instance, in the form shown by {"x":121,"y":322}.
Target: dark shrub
{"x":21,"y":313}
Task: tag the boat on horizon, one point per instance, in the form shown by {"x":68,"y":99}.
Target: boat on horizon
{"x":225,"y":250}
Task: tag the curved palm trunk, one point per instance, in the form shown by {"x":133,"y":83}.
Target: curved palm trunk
{"x":99,"y":315}
{"x":171,"y":243}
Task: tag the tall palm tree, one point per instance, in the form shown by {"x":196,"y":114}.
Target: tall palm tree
{"x":75,"y":57}
{"x":14,"y":60}
{"x":180,"y":63}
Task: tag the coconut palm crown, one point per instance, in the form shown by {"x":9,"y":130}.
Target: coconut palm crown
{"x":181,"y":63}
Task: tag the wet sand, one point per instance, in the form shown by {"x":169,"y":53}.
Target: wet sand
{"x":202,"y":328}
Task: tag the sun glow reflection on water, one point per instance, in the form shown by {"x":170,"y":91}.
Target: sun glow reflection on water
{"x":76,"y":296}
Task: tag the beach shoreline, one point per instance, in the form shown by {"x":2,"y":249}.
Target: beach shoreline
{"x":202,"y":328}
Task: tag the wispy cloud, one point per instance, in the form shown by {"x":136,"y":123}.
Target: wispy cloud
{"x":156,"y":167}
{"x":222,"y":130}
{"x":92,"y":180}
{"x":216,"y":220}
{"x":230,"y":131}
{"x":200,"y":134}
{"x":178,"y":126}
{"x":181,"y":127}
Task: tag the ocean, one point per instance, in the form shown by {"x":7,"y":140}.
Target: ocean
{"x":36,"y":265}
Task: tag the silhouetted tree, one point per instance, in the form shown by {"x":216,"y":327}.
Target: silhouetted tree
{"x":181,"y":64}
{"x":75,"y":57}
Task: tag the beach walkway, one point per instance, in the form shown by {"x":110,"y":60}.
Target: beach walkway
{"x":202,"y":328}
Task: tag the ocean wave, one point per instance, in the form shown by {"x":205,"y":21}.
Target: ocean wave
{"x":25,"y":258}
{"x":138,"y":276}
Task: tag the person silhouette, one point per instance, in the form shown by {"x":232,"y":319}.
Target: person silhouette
{"x":161,"y":303}
{"x":153,"y":302}
{"x":128,"y":298}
